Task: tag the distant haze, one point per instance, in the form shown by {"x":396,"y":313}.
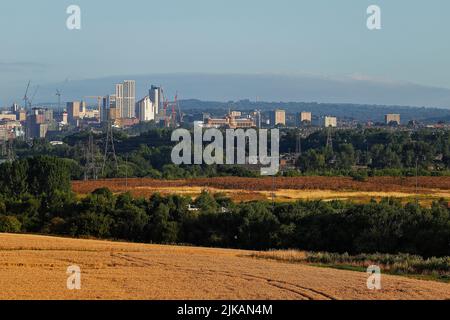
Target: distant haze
{"x":264,"y":87}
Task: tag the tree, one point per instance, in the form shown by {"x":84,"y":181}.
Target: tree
{"x":384,"y":157}
{"x":47,"y":175}
{"x":259,"y":226}
{"x":13,"y":178}
{"x":2,"y":207}
{"x":346,"y":156}
{"x":91,"y":224}
{"x":129,"y":223}
{"x":206,"y":202}
{"x":312,"y":160}
{"x":160,"y":228}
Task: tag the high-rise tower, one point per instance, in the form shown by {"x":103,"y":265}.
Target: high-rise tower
{"x":155,"y":97}
{"x":129,"y":99}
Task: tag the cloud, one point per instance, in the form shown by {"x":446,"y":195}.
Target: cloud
{"x":380,"y":80}
{"x":21,"y":66}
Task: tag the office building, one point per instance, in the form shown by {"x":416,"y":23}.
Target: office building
{"x":37,"y":123}
{"x":15,"y":107}
{"x":109,"y":109}
{"x":83,"y":109}
{"x":330,"y":122}
{"x":124,"y":101}
{"x":278,"y":117}
{"x":73,"y":112}
{"x":48,"y":115}
{"x":119,"y":100}
{"x":256,"y":115}
{"x":145,"y":109}
{"x":22,"y":115}
{"x":305,"y":117}
{"x":129,"y":99}
{"x":155,"y":95}
{"x":64,"y":118}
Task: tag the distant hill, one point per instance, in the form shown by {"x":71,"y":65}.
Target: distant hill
{"x":265,"y":87}
{"x":344,"y":111}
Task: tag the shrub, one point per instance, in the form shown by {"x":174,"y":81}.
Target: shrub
{"x":360,"y":176}
{"x":10,"y":224}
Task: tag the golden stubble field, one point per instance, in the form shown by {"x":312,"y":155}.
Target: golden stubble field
{"x":34,"y":267}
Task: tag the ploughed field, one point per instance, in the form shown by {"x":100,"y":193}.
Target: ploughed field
{"x":34,"y":267}
{"x":426,"y":189}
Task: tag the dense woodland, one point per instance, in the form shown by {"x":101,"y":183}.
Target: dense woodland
{"x":36,"y":197}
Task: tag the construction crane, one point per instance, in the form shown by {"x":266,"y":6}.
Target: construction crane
{"x":165,"y":104}
{"x":170,"y":120}
{"x":176,"y":105}
{"x":58,"y":94}
{"x":181,"y":114}
{"x":174,"y":111}
{"x":25,"y":97}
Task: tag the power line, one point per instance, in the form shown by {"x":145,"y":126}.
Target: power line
{"x":91,"y":168}
{"x":298,"y":145}
{"x":329,"y":138}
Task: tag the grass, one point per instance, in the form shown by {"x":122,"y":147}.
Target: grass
{"x":437,"y":269}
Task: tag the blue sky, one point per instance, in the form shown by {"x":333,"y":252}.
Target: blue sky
{"x":317,"y":37}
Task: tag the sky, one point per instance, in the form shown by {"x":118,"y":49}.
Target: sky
{"x":326,"y":38}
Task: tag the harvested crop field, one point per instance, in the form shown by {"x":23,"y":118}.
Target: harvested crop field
{"x":298,"y":188}
{"x":34,"y":267}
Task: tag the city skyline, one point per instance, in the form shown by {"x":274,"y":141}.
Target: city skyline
{"x":258,"y":87}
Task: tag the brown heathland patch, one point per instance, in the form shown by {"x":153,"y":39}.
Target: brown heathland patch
{"x":286,"y":189}
{"x":34,"y":267}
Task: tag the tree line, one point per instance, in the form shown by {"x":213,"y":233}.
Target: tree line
{"x":374,"y":151}
{"x":355,"y":152}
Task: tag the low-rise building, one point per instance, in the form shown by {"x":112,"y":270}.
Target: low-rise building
{"x":230,"y":121}
{"x":126,"y":122}
{"x":392,"y":118}
{"x":10,"y":130}
{"x":7,"y":115}
{"x":21,"y":115}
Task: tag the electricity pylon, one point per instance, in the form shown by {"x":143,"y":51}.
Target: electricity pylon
{"x":109,"y":153}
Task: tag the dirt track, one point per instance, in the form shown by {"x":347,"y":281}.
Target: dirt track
{"x":34,"y":267}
